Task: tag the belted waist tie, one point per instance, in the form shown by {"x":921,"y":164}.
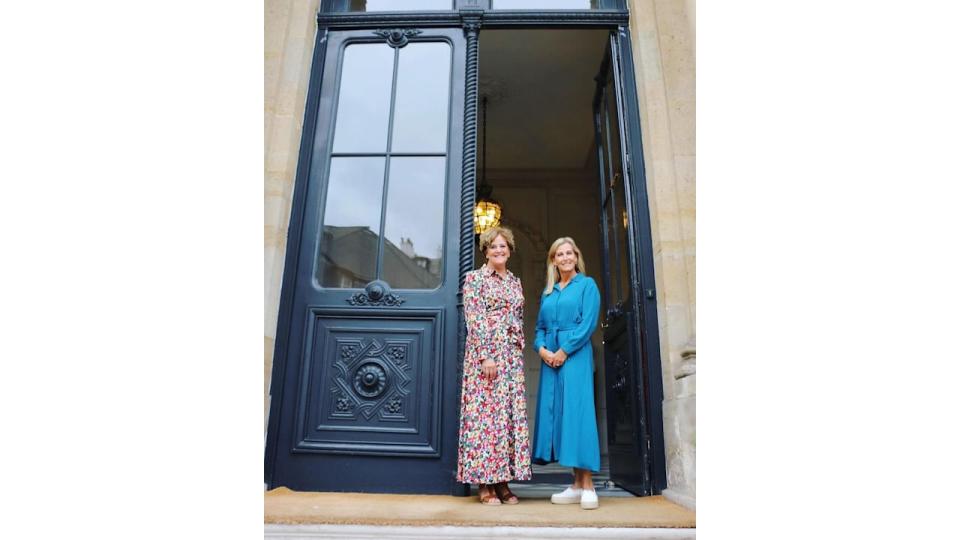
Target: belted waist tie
{"x":561,"y":328}
{"x":551,"y":335}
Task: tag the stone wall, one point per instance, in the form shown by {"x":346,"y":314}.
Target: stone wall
{"x":290,"y":29}
{"x":662,"y":34}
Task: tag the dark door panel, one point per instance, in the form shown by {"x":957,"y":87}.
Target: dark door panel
{"x":623,"y":427}
{"x":370,"y":384}
{"x":364,"y":394}
{"x":629,"y":372}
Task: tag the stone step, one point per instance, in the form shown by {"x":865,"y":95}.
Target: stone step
{"x":368,"y":532}
{"x":554,"y":478}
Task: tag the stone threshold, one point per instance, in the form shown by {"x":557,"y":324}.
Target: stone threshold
{"x":685,"y":501}
{"x":370,"y":532}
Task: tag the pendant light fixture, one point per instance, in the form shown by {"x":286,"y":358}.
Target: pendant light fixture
{"x":486,"y":213}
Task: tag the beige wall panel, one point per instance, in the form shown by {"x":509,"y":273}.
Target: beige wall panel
{"x":275,"y":21}
{"x":268,"y":344}
{"x":663,"y":33}
{"x":289,"y":34}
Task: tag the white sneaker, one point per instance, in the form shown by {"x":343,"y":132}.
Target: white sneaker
{"x":570,"y":495}
{"x":589,"y":500}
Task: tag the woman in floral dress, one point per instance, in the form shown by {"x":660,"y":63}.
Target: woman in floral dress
{"x":494,"y":438}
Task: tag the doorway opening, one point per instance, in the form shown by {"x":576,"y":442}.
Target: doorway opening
{"x":541,"y":161}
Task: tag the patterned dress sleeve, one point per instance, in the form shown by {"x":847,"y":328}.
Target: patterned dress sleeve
{"x":589,"y":314}
{"x":479,"y":330}
{"x":519,"y":292}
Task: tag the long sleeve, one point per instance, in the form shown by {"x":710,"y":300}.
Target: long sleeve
{"x":590,"y":313}
{"x":520,"y":315}
{"x":480,"y":332}
{"x":540,"y":337}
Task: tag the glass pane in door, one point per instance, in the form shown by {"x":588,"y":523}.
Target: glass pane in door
{"x":351,"y":222}
{"x":413,"y":251}
{"x":618,"y":211}
{"x":423,"y":98}
{"x":363,"y":108}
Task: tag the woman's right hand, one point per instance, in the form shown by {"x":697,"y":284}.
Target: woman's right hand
{"x":547,"y":357}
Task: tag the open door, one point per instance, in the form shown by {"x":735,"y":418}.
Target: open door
{"x":364,"y":388}
{"x":632,"y":368}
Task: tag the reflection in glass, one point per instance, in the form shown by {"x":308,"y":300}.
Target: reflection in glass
{"x":613,"y":241}
{"x":617,"y":220}
{"x":612,"y":128}
{"x":400,"y":5}
{"x":545,"y":4}
{"x":423,"y":90}
{"x":413,"y":253}
{"x":351,"y":222}
{"x":364,"y":106}
{"x":622,"y":254}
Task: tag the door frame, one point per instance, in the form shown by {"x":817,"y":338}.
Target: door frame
{"x":645,"y":289}
{"x":641,"y":310}
{"x":292,"y":255}
{"x":474,"y":15}
{"x":312,"y":176}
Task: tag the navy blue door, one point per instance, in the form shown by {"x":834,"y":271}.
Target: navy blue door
{"x":631,"y":359}
{"x":364,"y":391}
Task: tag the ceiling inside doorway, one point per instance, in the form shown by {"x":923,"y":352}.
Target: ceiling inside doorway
{"x":540,"y":89}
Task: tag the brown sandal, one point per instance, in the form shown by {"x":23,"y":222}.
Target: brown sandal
{"x":487,"y":495}
{"x":504,"y":494}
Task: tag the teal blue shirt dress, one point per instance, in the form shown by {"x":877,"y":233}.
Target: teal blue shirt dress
{"x":566,"y":419}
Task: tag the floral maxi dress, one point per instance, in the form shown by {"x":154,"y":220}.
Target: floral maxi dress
{"x":494,"y":438}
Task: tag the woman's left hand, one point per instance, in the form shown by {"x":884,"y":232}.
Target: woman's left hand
{"x":489,"y":369}
{"x":559,"y":357}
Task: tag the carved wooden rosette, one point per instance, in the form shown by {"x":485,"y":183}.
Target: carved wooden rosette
{"x":376,"y":293}
{"x":372,"y":379}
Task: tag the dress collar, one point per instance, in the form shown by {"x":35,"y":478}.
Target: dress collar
{"x":576,"y":277}
{"x":490,"y":271}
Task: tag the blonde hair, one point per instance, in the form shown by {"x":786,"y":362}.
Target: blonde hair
{"x":553,"y":273}
{"x":488,"y":236}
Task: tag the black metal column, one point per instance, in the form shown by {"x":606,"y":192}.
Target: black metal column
{"x":471,"y":19}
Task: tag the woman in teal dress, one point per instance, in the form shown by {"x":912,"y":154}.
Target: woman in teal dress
{"x":566,"y":421}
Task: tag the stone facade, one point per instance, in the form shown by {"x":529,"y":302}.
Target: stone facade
{"x":662,"y":33}
{"x":290,"y":30}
